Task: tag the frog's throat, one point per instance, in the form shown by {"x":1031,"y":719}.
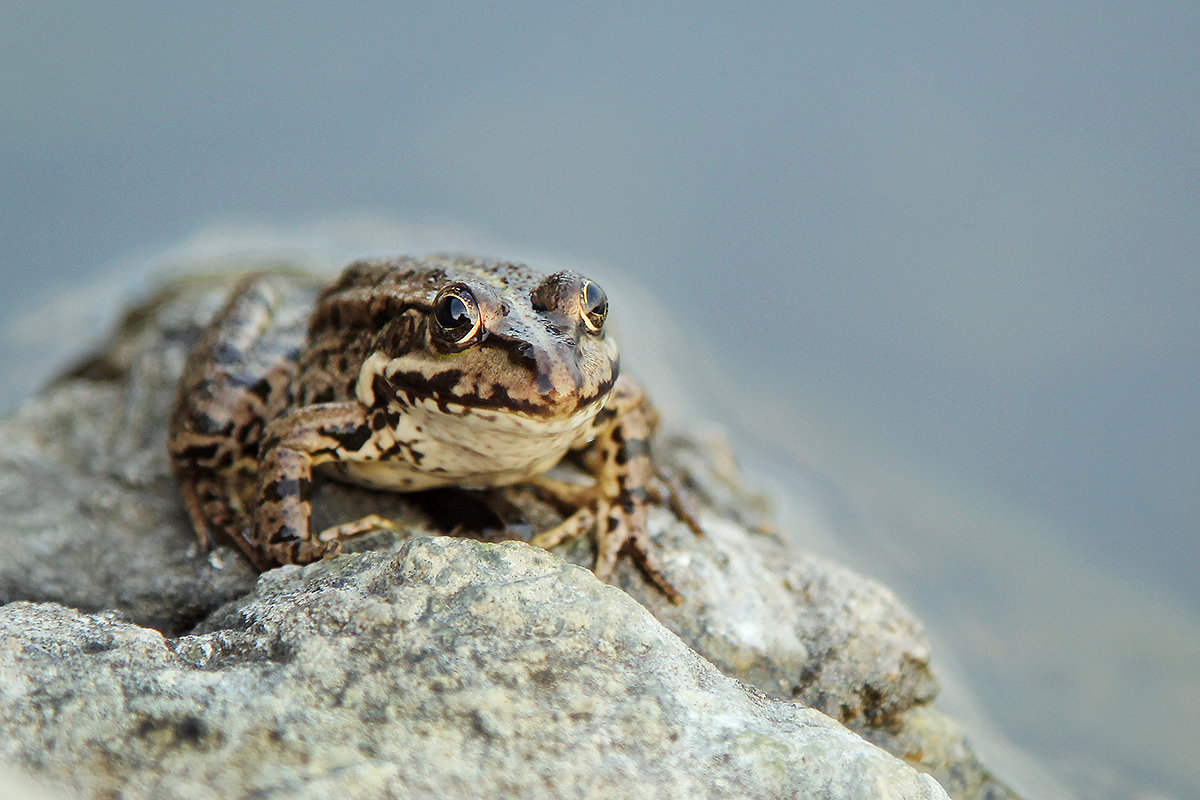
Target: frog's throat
{"x":379,"y":384}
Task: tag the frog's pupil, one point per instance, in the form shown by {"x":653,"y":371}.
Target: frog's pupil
{"x":452,"y":313}
{"x":595,"y":305}
{"x":595,"y":299}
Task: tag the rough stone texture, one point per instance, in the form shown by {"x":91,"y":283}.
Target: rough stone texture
{"x":449,"y":668}
{"x":369,"y":674}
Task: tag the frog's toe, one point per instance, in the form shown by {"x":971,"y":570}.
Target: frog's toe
{"x":625,"y":531}
{"x":578,"y":522}
{"x":331,"y":538}
{"x":642,"y":551}
{"x":612,"y":533}
{"x":670,"y":492}
{"x":619,"y":527}
{"x":564,"y":494}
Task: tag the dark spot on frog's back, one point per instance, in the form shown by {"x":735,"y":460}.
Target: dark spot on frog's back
{"x":261,"y":389}
{"x":200,"y":453}
{"x":325,"y":394}
{"x":200,"y":421}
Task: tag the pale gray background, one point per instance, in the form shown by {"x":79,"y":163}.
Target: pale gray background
{"x":964,"y":236}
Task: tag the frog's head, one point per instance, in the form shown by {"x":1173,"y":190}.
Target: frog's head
{"x":499,"y":336}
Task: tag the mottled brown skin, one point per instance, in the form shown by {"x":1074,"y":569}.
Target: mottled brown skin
{"x":412,"y":374}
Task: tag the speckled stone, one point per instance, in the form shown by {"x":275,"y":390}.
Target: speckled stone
{"x":450,"y":668}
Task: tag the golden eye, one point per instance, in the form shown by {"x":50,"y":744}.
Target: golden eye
{"x":593,"y":306}
{"x":456,"y":317}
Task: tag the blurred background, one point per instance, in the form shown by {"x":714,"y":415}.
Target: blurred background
{"x":942,"y":257}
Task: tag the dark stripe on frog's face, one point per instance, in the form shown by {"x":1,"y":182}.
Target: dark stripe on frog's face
{"x":511,"y":374}
{"x":447,"y":388}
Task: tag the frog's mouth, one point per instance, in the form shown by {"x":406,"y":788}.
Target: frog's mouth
{"x":446,"y":391}
{"x":456,"y":391}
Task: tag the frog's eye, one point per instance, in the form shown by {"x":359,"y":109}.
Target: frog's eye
{"x":593,"y":304}
{"x":456,"y":317}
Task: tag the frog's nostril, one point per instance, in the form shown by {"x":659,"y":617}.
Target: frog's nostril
{"x":526,"y":352}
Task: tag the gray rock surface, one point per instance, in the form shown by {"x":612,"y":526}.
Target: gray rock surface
{"x":450,"y":668}
{"x":426,"y":662}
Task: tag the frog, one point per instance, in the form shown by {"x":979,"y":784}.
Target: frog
{"x":408,"y":374}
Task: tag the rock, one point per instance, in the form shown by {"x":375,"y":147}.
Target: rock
{"x":449,"y":668}
{"x":425,"y":664}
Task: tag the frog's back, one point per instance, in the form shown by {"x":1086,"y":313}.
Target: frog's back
{"x":367,"y":300}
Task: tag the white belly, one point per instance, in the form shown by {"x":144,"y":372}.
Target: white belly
{"x":476,"y":448}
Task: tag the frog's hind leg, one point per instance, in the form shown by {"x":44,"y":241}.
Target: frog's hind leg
{"x":207,"y":500}
{"x":235,"y":381}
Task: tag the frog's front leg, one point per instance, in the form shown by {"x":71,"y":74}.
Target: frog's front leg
{"x":292,"y":446}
